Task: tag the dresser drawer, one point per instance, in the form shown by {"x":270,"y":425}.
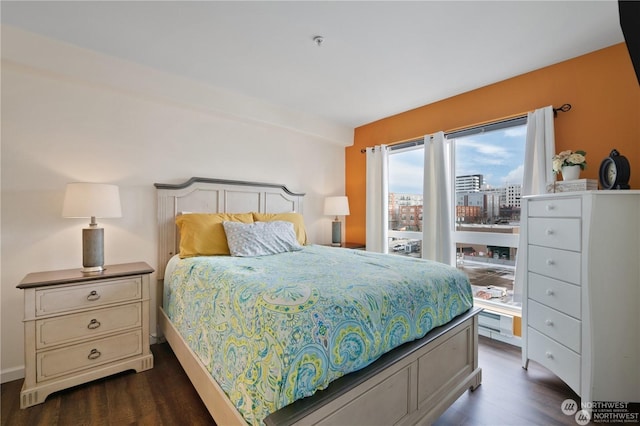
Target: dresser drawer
{"x":561,"y":264}
{"x":556,"y":294}
{"x":555,"y":207}
{"x":87,"y":325}
{"x":87,"y":295}
{"x":560,"y":327}
{"x":554,"y":232}
{"x":557,"y":358}
{"x":58,"y":362}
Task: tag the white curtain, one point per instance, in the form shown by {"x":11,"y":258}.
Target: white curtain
{"x":377,"y":224}
{"x":538,"y":171}
{"x":539,"y":150}
{"x":436,"y":212}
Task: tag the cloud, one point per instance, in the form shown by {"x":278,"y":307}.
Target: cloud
{"x":515,"y":132}
{"x":406,"y":172}
{"x":497,"y":155}
{"x":489,"y":152}
{"x":515,"y":175}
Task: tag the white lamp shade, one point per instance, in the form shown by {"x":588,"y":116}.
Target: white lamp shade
{"x":336,"y":206}
{"x":91,"y":200}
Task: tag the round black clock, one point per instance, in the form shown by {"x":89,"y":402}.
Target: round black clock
{"x":615,"y":171}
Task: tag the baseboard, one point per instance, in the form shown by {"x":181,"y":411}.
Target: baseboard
{"x":11,"y":374}
{"x":157,"y":338}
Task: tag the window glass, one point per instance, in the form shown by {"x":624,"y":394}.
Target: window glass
{"x":488,"y":170}
{"x":406,"y":171}
{"x":488,"y":165}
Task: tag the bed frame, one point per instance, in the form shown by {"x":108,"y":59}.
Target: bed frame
{"x":413,"y":384}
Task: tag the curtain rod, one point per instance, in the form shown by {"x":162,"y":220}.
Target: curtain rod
{"x":563,"y":108}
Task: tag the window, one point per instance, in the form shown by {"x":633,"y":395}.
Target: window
{"x":406,"y":171}
{"x":488,"y":165}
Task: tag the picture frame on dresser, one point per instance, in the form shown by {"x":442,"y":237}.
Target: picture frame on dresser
{"x":81,"y":326}
{"x":581,"y":292}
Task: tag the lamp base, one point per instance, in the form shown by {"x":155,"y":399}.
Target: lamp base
{"x":336,"y":233}
{"x":93,"y":249}
{"x":93,"y":270}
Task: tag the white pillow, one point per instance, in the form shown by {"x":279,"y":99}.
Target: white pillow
{"x":260,"y":238}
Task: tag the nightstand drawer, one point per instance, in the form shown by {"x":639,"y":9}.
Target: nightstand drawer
{"x":556,"y":294}
{"x":58,"y":362}
{"x":87,"y":325}
{"x":553,"y":232}
{"x":561,"y":264}
{"x":560,"y":327}
{"x":557,"y":358}
{"x":553,"y":207}
{"x":87,"y":296}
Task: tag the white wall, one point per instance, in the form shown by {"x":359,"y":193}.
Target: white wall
{"x":69,"y":114}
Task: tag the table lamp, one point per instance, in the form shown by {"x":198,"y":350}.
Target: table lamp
{"x":336,"y":206}
{"x":92,"y":200}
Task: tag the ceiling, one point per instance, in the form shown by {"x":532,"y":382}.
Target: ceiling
{"x":378,"y":58}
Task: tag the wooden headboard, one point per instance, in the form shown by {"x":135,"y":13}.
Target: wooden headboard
{"x":205,"y":195}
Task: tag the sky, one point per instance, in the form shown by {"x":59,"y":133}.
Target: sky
{"x":497,"y":155}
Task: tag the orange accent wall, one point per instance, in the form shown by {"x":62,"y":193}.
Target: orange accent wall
{"x":517,"y":326}
{"x":600,"y":86}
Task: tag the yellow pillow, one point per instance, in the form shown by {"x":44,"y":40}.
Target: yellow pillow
{"x":202,"y":234}
{"x":295,"y":218}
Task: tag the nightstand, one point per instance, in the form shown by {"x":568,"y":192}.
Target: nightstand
{"x":80,"y":327}
{"x":352,"y":246}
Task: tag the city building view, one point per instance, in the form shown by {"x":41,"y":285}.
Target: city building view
{"x":488,"y":187}
{"x":491,"y":268}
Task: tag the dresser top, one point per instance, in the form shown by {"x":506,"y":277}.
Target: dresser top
{"x":40,"y":279}
{"x":599,"y":192}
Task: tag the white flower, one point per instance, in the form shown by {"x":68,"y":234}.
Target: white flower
{"x":569,"y":158}
{"x":557,"y":165}
{"x":576,"y":158}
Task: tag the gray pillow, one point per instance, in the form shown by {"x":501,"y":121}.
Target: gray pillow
{"x":260,"y":238}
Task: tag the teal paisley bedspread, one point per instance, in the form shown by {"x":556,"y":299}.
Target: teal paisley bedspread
{"x":275,"y":329}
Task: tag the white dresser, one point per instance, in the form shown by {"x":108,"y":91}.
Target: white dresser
{"x":581,"y":292}
{"x":80,"y":327}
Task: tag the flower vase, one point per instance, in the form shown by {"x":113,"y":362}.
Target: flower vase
{"x":570,"y":172}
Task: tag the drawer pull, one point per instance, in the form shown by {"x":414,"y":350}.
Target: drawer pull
{"x":93,"y":296}
{"x":550,"y":232}
{"x":549,"y":355}
{"x":550,"y":207}
{"x":94,"y":354}
{"x":549,"y":323}
{"x":93,"y":324}
{"x":551,"y":262}
{"x":549,"y":292}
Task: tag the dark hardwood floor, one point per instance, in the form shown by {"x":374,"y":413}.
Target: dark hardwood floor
{"x":508,"y":395}
{"x":160,"y":396}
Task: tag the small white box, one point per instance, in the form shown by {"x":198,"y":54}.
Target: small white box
{"x":573,"y":185}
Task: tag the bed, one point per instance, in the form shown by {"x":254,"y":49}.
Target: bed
{"x":396,"y":375}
